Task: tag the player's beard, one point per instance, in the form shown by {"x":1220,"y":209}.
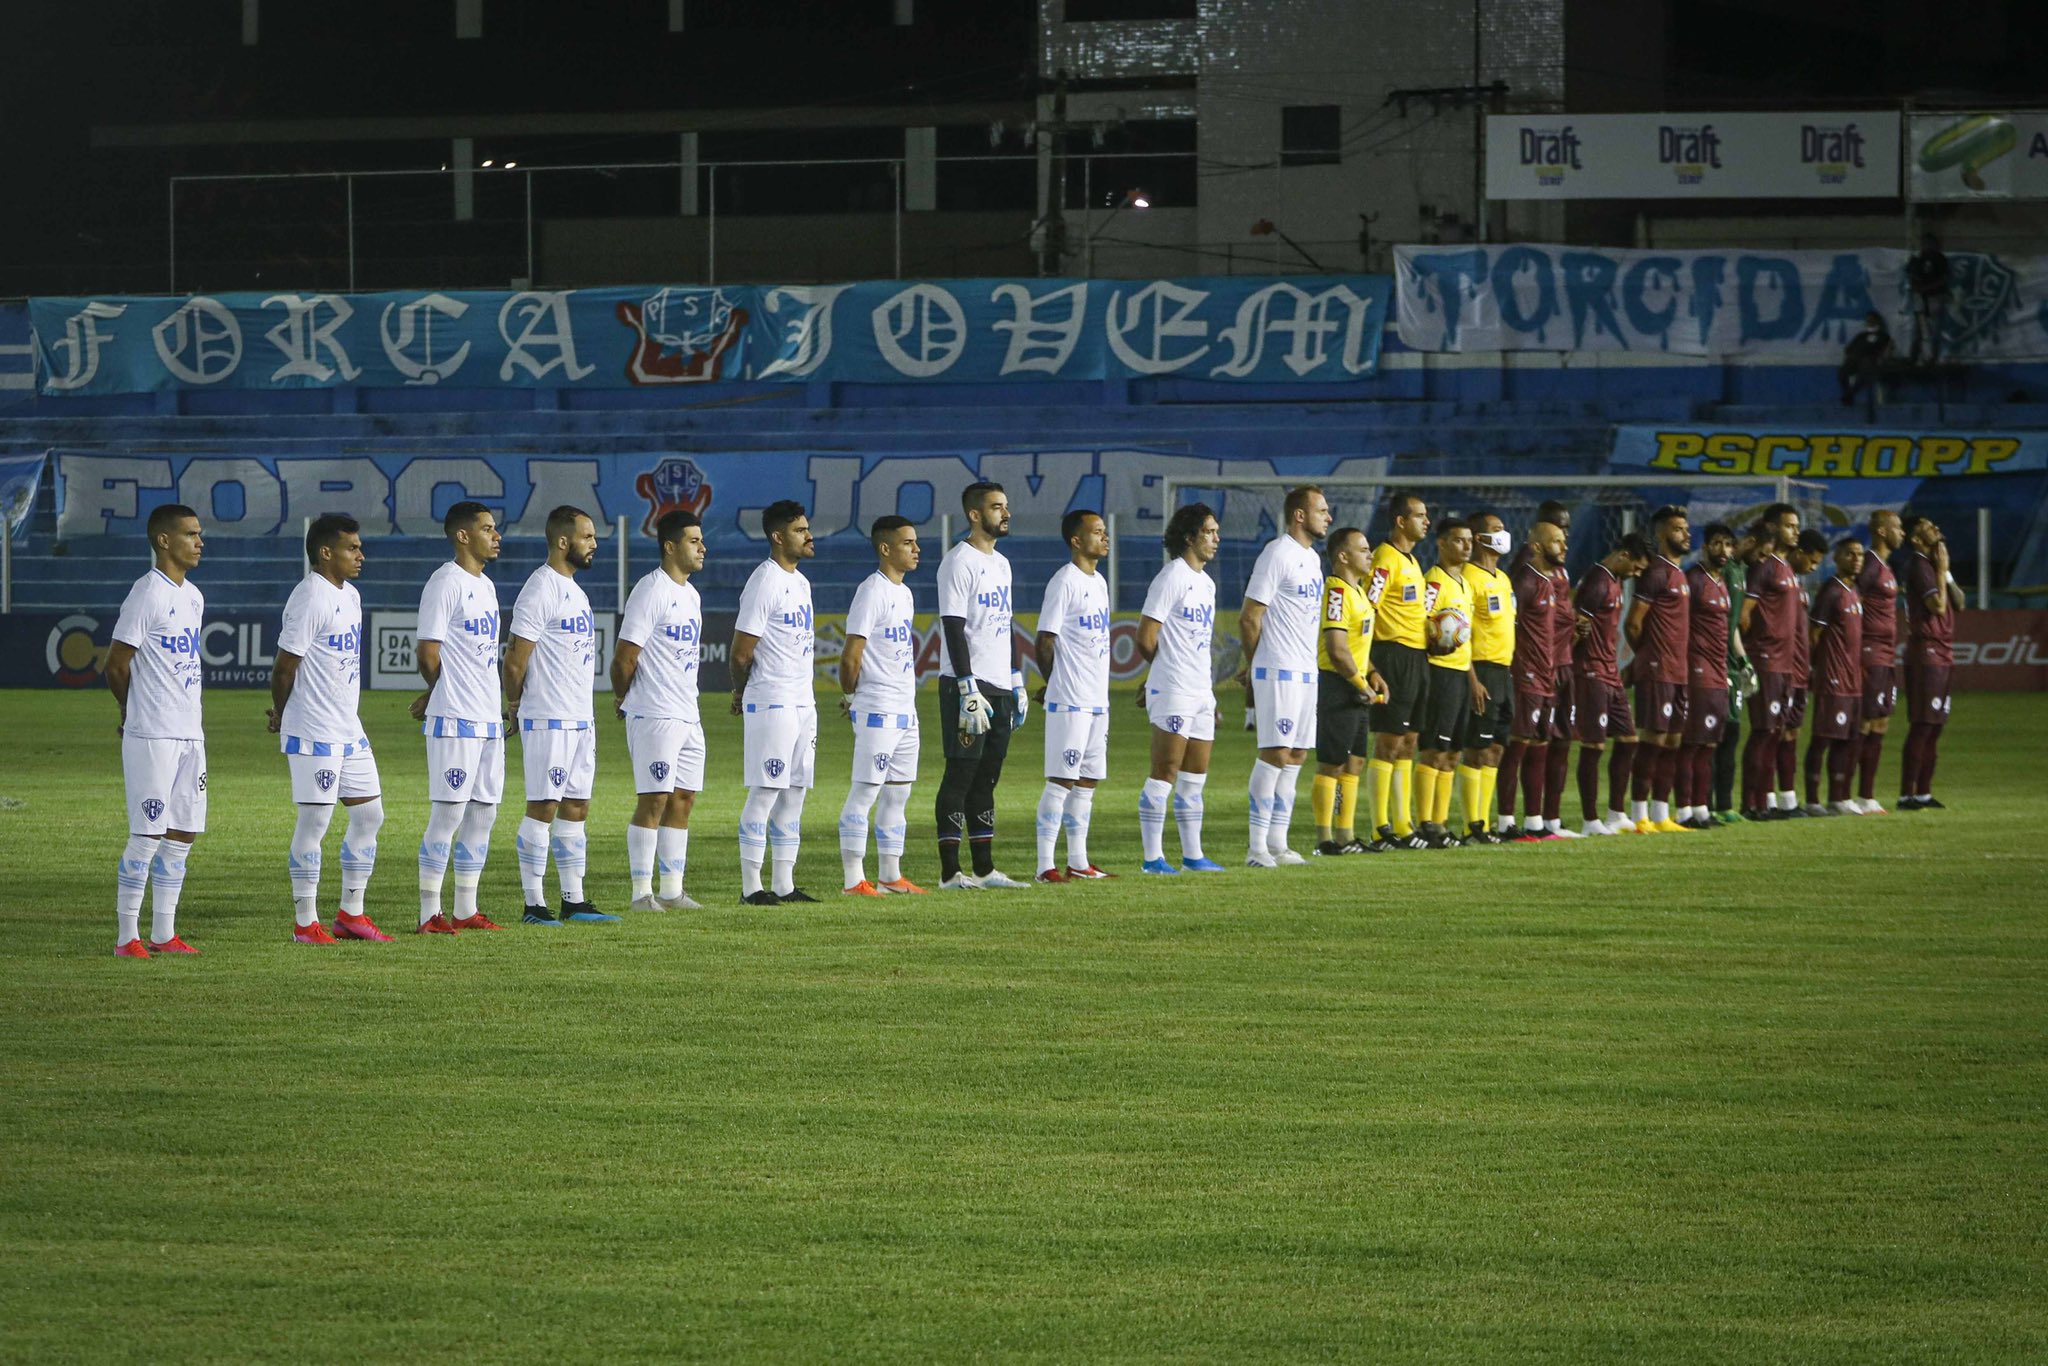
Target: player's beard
{"x":582,"y":562}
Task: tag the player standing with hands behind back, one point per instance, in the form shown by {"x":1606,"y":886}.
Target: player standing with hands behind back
{"x":774,"y":642}
{"x":981,"y":658}
{"x":654,"y":683}
{"x":1277,"y":630}
{"x":1175,"y":634}
{"x":1073,"y":654}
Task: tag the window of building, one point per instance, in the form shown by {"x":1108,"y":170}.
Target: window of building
{"x":1311,"y":135}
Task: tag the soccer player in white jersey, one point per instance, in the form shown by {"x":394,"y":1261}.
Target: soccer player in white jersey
{"x":773,"y":646}
{"x":981,"y":684}
{"x":654,"y":681}
{"x":550,"y":674}
{"x":155,"y":672}
{"x":878,"y":675}
{"x":462,"y":714}
{"x":1073,"y":654}
{"x":315,"y":688}
{"x":1277,"y":629}
{"x":1175,"y":633}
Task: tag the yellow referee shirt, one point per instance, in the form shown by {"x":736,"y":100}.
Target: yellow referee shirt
{"x":1344,"y":609}
{"x":1394,"y":593}
{"x":1446,"y":588}
{"x":1493,"y":615}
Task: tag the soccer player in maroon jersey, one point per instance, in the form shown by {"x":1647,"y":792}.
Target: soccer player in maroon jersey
{"x":1806,"y":557}
{"x":1931,"y":602}
{"x":1660,"y":631}
{"x":1600,"y":709}
{"x":1880,"y":593}
{"x":1706,"y":687}
{"x":1838,"y":622}
{"x":1537,"y":606}
{"x":1555,"y":756}
{"x":1770,"y":609}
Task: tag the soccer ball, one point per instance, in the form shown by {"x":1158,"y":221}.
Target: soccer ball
{"x":1449,"y":630}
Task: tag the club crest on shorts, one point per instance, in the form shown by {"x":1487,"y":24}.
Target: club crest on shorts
{"x":1072,"y":757}
{"x":324,"y":779}
{"x":1713,"y":721}
{"x":1285,"y":725}
{"x":881,"y":763}
{"x":557,"y":776}
{"x":1174,"y":723}
{"x":1841,"y":718}
{"x":773,"y":767}
{"x":455,"y":778}
{"x":1667,"y":709}
{"x":153,"y":809}
{"x":659,"y":770}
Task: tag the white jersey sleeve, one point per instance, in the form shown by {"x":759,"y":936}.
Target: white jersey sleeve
{"x":161,"y":620}
{"x":1183,"y":601}
{"x":554,"y":613}
{"x":775,"y":607}
{"x":666,"y":620}
{"x":323,"y":626}
{"x":883,"y":615}
{"x":1265,"y":579}
{"x":1288,"y":579}
{"x":1076,"y":610}
{"x":460,"y":611}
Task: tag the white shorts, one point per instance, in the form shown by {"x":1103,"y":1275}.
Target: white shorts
{"x":560,"y":764}
{"x":166,"y":782}
{"x":884,"y":751}
{"x":324,"y":779}
{"x":1193,"y":717}
{"x":1076,"y":744}
{"x":781,"y":743}
{"x":465,"y":769}
{"x":668,"y":756}
{"x":1286,"y":708}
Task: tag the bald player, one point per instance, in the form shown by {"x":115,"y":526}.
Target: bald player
{"x":1879,"y":590}
{"x":1837,"y":682}
{"x":1708,"y":706}
{"x":1538,"y":604}
{"x":1660,"y":632}
{"x":1932,"y":600}
{"x":1601,"y":715}
{"x":1770,"y":611}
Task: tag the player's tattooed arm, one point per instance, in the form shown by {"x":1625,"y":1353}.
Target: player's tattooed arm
{"x":625,"y":667}
{"x":284,"y":674}
{"x":118,"y":670}
{"x":742,"y":666}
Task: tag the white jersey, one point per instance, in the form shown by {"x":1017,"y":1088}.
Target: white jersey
{"x":1288,"y":578}
{"x":775,"y":607}
{"x":1183,"y":601}
{"x":460,"y":610}
{"x":976,"y":588}
{"x":882,"y":615}
{"x":553,"y":612}
{"x":161,"y":620}
{"x":1076,"y":609}
{"x":323,"y":626}
{"x":666,"y":620}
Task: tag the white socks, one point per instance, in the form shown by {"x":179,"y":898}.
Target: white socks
{"x":1080,"y":810}
{"x":1153,"y":799}
{"x":1052,"y":809}
{"x":1281,"y":814}
{"x":167,"y":878}
{"x":572,"y":857}
{"x":359,"y":852}
{"x":891,"y":829}
{"x":1265,"y":781}
{"x":131,"y":876}
{"x":304,"y":863}
{"x":785,"y":835}
{"x":531,"y":845}
{"x":442,"y":822}
{"x":754,"y":837}
{"x":472,"y":847}
{"x":1660,"y":812}
{"x":641,"y":842}
{"x":672,"y":857}
{"x":1187,"y":812}
{"x":853,"y":832}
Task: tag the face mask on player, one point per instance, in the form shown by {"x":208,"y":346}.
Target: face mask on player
{"x":1496,"y":541}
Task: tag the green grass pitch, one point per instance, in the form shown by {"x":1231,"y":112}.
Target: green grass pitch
{"x":1767,"y":1094}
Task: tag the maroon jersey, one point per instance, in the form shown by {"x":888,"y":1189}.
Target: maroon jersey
{"x":1931,"y":639}
{"x":1706,"y":651}
{"x":1599,"y":599}
{"x":1667,"y":628}
{"x":1564,"y":640}
{"x":1801,"y":667}
{"x":1776,"y":625}
{"x":1880,"y":594}
{"x":1536,"y":609}
{"x":1838,"y":654}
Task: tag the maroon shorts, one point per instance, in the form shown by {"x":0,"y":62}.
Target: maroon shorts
{"x":1535,"y":716}
{"x":1660,"y":707}
{"x":1795,"y":708}
{"x":1706,"y":715}
{"x":1835,"y":715}
{"x":1927,"y":693}
{"x":1600,"y":712}
{"x":1561,"y":725}
{"x":1880,"y":690}
{"x":1771,"y":705}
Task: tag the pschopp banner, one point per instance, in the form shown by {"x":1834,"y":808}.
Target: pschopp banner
{"x":1824,"y":453}
{"x":1850,"y":154}
{"x":1266,"y":329}
{"x":1705,"y":303}
{"x":1978,"y":156}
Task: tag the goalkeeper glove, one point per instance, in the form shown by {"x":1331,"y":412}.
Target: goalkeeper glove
{"x":974,"y":719}
{"x":1020,"y":701}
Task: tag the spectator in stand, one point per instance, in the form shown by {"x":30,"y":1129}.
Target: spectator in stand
{"x":1863,"y":360}
{"x":1927,"y":274}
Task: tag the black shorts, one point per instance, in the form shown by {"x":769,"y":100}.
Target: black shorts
{"x":1405,"y":669}
{"x":993,"y":743}
{"x":1450,"y":709}
{"x":1343,"y":721}
{"x":1492,"y":726}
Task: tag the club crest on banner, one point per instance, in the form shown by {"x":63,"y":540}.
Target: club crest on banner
{"x":675,"y":485}
{"x":683,"y":335}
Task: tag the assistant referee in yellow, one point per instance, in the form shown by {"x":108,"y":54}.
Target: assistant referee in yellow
{"x":1346,"y":684}
{"x":1394,"y":592}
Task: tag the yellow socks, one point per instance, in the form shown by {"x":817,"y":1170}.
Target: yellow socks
{"x":1380,"y":773}
{"x":1471,"y":787}
{"x":1347,"y":804}
{"x":1323,"y":796}
{"x":1404,"y":774}
{"x":1428,"y":780}
{"x":1489,"y":782}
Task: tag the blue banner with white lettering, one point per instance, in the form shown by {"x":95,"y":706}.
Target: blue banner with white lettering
{"x":1793,"y":304}
{"x":1265,"y":329}
{"x":20,"y":477}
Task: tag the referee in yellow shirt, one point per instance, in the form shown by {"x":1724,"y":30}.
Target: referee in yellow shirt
{"x":1493,"y":656}
{"x":1393,"y":590}
{"x":1346,"y":684}
{"x":1451,"y":695}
